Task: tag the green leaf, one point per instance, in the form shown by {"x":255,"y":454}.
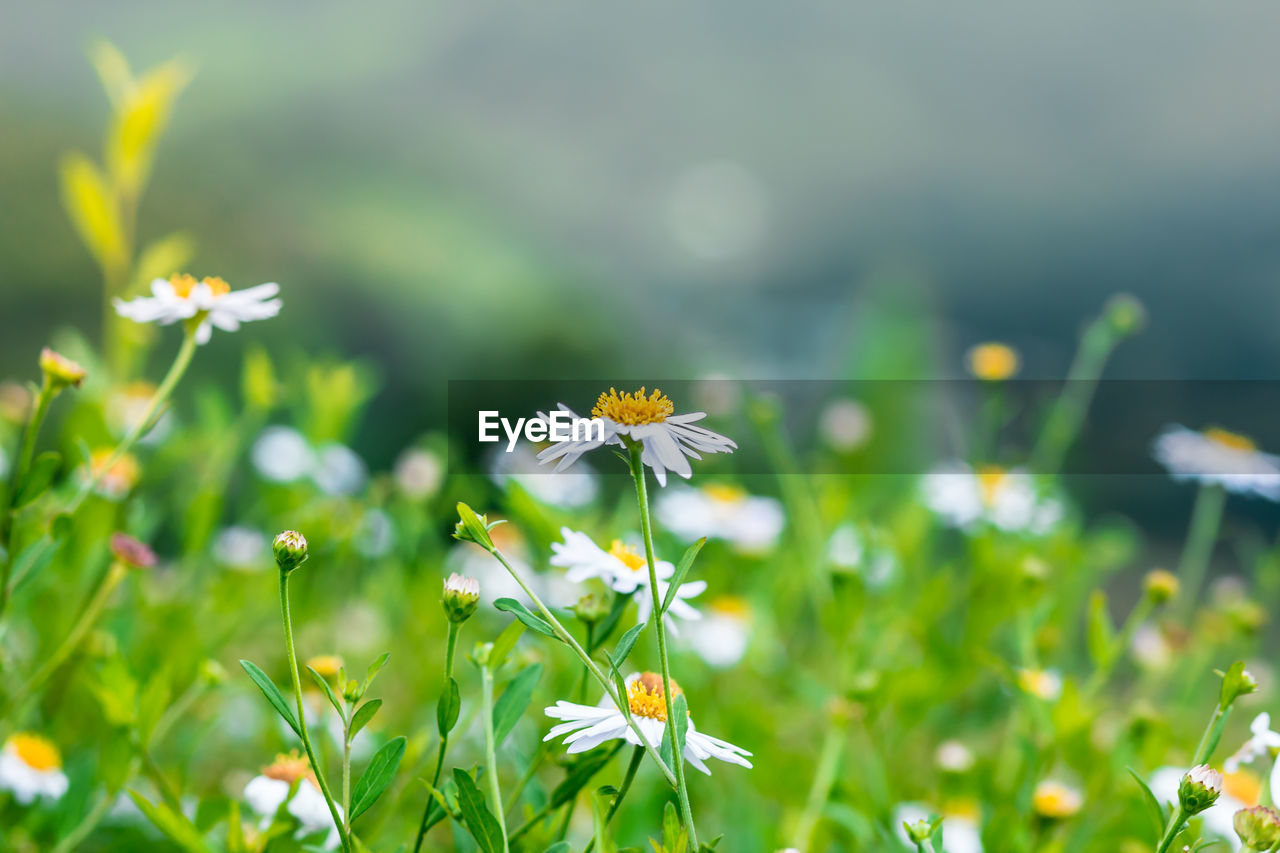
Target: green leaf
{"x":479,"y":821}
{"x":625,"y":645}
{"x":680,"y":713}
{"x":447,"y":708}
{"x":579,"y":776}
{"x":92,"y":207}
{"x":559,"y":847}
{"x":514,"y":701}
{"x":686,"y":563}
{"x":605,"y":629}
{"x":38,"y":477}
{"x":505,"y":643}
{"x":600,"y":815}
{"x":675,"y":839}
{"x":1153,"y":805}
{"x":375,"y":668}
{"x":522,"y":613}
{"x":363,"y":715}
{"x":328,"y":691}
{"x":175,"y":826}
{"x":377,"y":776}
{"x":269,"y":690}
{"x":1101,"y":635}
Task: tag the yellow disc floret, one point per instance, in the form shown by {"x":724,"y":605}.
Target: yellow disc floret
{"x":646,"y":698}
{"x":1242,"y":786}
{"x":1056,"y":801}
{"x":627,"y":555}
{"x":723,"y":494}
{"x":991,"y":479}
{"x":993,"y":362}
{"x":183,"y":284}
{"x":34,"y":751}
{"x":634,"y":409}
{"x":1233,"y":440}
{"x":290,"y":768}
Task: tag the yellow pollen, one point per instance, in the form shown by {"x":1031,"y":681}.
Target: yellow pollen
{"x":721,"y":493}
{"x":1242,"y":786}
{"x":326,"y":665}
{"x":993,"y":362}
{"x":991,"y":479}
{"x":633,"y":409}
{"x":627,"y":555}
{"x":183,"y":284}
{"x":34,"y":751}
{"x":290,"y":768}
{"x":1233,"y":440}
{"x":646,"y":698}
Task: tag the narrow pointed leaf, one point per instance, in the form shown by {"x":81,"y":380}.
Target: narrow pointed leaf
{"x":363,"y":715}
{"x":513,"y":702}
{"x":328,"y":691}
{"x":377,"y":776}
{"x":686,"y":563}
{"x":269,"y":690}
{"x":447,"y":708}
{"x":479,"y":821}
{"x":523,"y":613}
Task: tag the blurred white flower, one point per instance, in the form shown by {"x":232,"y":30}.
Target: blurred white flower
{"x":1056,"y":800}
{"x":1240,"y":790}
{"x":587,"y":727}
{"x":1045,"y":684}
{"x":242,"y":548}
{"x":183,"y":298}
{"x":266,"y":792}
{"x":339,"y":470}
{"x":1219,"y":457}
{"x":418,"y":473}
{"x":721,"y":637}
{"x":749,"y":522}
{"x":557,"y":488}
{"x":1262,"y":741}
{"x":680,"y":609}
{"x":669,"y":440}
{"x":960,"y":831}
{"x":848,"y":551}
{"x":1005,"y":498}
{"x":954,"y":757}
{"x":31,"y":767}
{"x":126,"y":408}
{"x":114,"y":482}
{"x":283,"y":454}
{"x":845,"y":425}
{"x":622,"y":567}
{"x":375,"y":534}
{"x":1151,"y":648}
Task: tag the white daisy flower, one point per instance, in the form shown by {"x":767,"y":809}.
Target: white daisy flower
{"x":266,"y":792}
{"x":721,"y":637}
{"x":30,"y":767}
{"x":1262,"y":741}
{"x":669,"y":440}
{"x":954,"y":756}
{"x":1240,"y":790}
{"x":960,"y":830}
{"x":749,"y":522}
{"x":210,"y":301}
{"x":587,"y":727}
{"x":418,"y":473}
{"x":1004,"y":498}
{"x":1151,"y":648}
{"x":845,"y":425}
{"x":282,"y":454}
{"x":1044,"y":684}
{"x":622,"y":567}
{"x":242,"y":548}
{"x":339,"y":470}
{"x":1218,"y":457}
{"x":679,"y":609}
{"x":556,"y":488}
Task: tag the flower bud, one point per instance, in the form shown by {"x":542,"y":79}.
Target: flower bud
{"x":1161,"y":586}
{"x":1258,"y":827}
{"x":211,"y":672}
{"x":1199,"y":789}
{"x":922,"y":830}
{"x":461,"y":597}
{"x":290,"y":549}
{"x":131,"y":552}
{"x":352,"y":691}
{"x":1125,"y":314}
{"x":60,"y":371}
{"x":593,"y":606}
{"x":1236,"y":682}
{"x":473,"y":528}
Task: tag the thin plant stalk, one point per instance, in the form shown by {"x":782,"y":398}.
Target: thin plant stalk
{"x":1206,"y":517}
{"x":637,"y":756}
{"x":823,"y":780}
{"x":491,"y":754}
{"x":285,"y":617}
{"x":20,"y":468}
{"x":677,"y":748}
{"x":1176,"y":821}
{"x":427,"y":811}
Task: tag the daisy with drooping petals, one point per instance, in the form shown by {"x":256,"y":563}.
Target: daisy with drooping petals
{"x":30,"y":767}
{"x":1262,"y":741}
{"x":749,"y":522}
{"x":209,"y":302}
{"x":1218,"y":457}
{"x":1005,"y":498}
{"x":266,"y":792}
{"x":668,"y":440}
{"x":587,"y":727}
{"x":622,"y":567}
{"x":680,"y":607}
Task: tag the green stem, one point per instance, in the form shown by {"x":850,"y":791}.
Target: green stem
{"x":346,"y":777}
{"x":338,"y":821}
{"x":19,"y":473}
{"x":637,"y":756}
{"x":1066,"y":417}
{"x":1212,"y":732}
{"x":86,"y":620}
{"x":1206,"y":517}
{"x":1176,"y":821}
{"x":677,"y":748}
{"x":491,"y":754}
{"x":542,"y":813}
{"x":567,"y":638}
{"x":451,"y":646}
{"x":1119,"y":643}
{"x":823,"y":780}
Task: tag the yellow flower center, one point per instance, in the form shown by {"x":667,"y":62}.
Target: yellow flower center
{"x":633,"y":409}
{"x":724,"y":494}
{"x":730,"y":605}
{"x":34,"y":751}
{"x":1233,"y":440}
{"x":646,"y":698}
{"x":627,"y":555}
{"x":993,"y":362}
{"x":326,"y":665}
{"x":183,"y":284}
{"x":1055,"y":800}
{"x":991,"y":479}
{"x":289,"y":768}
{"x":1243,"y":787}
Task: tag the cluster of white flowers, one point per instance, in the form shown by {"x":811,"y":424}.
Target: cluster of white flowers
{"x":1006,"y":498}
{"x":283,"y":455}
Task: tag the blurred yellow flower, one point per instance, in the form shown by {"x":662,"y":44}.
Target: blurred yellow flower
{"x":993,"y":362}
{"x":30,"y":767}
{"x":1043,"y":684}
{"x":1055,"y":800}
